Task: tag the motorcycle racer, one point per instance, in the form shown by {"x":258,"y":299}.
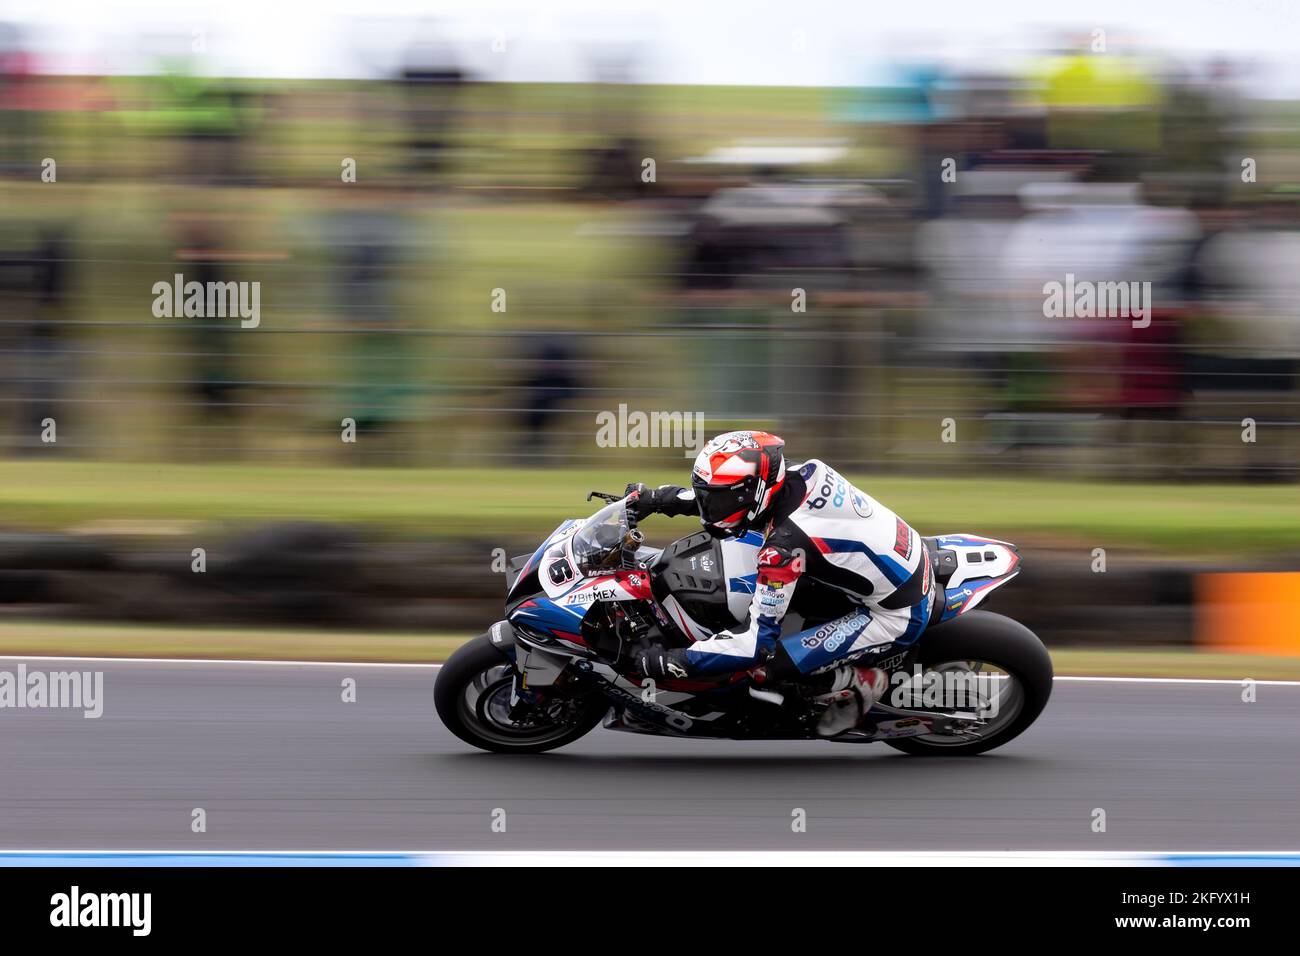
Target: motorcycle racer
{"x":818,"y":529}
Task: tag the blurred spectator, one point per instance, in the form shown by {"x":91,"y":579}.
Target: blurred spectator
{"x":550,"y":381}
{"x":35,"y":292}
{"x":216,"y":389}
{"x":45,"y":359}
{"x":1253,"y":291}
{"x":431,"y":85}
{"x":371,"y":242}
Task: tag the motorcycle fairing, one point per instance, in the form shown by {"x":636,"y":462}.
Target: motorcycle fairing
{"x":567,"y":593}
{"x":982,"y":565}
{"x":550,"y":618}
{"x":566,"y":529}
{"x":706,"y":585}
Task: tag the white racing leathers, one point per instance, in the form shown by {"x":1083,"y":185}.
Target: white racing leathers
{"x":842,"y":538}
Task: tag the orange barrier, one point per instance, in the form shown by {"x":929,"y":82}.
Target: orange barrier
{"x":1249,"y":613}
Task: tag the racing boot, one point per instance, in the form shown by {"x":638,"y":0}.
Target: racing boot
{"x":852,"y":693}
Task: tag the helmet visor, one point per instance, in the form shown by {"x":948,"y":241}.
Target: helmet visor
{"x":725,"y":505}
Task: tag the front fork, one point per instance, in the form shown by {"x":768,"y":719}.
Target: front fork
{"x":537,"y":671}
{"x":522,"y":700}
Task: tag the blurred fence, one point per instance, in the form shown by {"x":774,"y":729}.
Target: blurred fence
{"x":501,"y":265}
{"x":864,"y":399}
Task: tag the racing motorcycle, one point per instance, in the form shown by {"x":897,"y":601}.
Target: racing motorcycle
{"x":593,"y":594}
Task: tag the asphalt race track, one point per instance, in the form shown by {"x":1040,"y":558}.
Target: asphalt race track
{"x":278,"y":761}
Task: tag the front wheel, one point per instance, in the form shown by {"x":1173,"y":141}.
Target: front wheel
{"x":1009,"y":664}
{"x":472,"y":696}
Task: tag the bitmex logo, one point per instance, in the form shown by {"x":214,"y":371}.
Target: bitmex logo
{"x":75,"y":908}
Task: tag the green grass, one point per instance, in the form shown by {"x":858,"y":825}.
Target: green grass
{"x":124,"y":640}
{"x":1111,"y":662}
{"x":521,"y":502}
{"x":21,"y":638}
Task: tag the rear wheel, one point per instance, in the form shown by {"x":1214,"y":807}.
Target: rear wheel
{"x":1010,"y":668}
{"x":472,"y":696}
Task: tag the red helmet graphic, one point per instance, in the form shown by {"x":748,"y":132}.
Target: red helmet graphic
{"x":735,"y":478}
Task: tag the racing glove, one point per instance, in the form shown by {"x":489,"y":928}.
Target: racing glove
{"x":665,"y":500}
{"x":643,"y":506}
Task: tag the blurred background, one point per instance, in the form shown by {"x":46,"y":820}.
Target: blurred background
{"x":478,"y":228}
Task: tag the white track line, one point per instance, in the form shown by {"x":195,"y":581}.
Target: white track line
{"x":1185,"y":680}
{"x":1236,"y":681}
{"x":876,"y":858}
